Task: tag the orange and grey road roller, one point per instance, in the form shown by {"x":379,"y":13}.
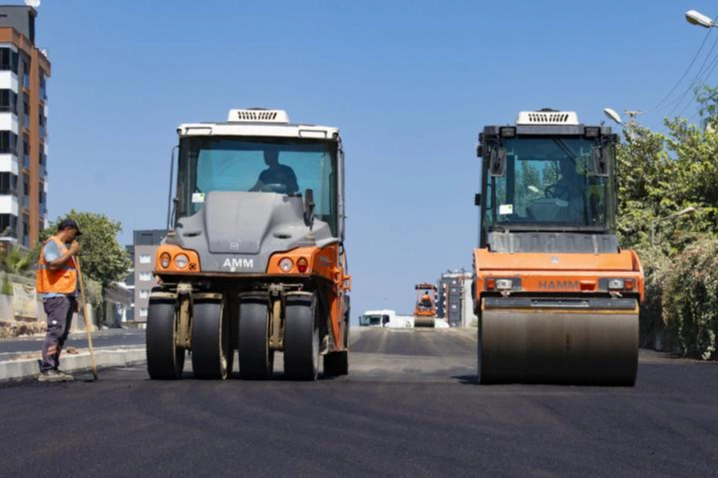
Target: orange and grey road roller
{"x":425,"y":310}
{"x":556,"y":296}
{"x":254,"y":260}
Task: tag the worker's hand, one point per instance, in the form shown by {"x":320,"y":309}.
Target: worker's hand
{"x":74,"y":248}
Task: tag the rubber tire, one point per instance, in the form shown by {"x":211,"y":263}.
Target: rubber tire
{"x":256,"y":359}
{"x":301,"y":339}
{"x":212,"y":355}
{"x":164,"y":359}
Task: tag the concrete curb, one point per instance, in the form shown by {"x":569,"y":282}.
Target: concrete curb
{"x":104,"y":357}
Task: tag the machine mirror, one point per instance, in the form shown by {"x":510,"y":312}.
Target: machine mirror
{"x":497,"y":162}
{"x":309,"y":207}
{"x":600,"y":160}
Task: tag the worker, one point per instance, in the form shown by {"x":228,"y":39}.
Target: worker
{"x":276,"y":174}
{"x":426,"y":300}
{"x":570,"y":187}
{"x":57,"y":282}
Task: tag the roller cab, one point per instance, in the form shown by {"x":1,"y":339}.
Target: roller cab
{"x":557,"y":298}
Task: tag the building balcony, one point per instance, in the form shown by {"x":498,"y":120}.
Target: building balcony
{"x":8,"y":81}
{"x":9,"y":164}
{"x":9,"y":204}
{"x":9,"y":122}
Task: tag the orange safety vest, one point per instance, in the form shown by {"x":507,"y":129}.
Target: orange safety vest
{"x":63,"y":280}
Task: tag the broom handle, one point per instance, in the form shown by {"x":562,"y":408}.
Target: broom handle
{"x":88,"y":320}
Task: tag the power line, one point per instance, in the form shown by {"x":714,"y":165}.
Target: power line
{"x":685,"y":73}
{"x":677,"y":103}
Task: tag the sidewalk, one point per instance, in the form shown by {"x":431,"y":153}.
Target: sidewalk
{"x":22,"y":367}
{"x":19,"y":358}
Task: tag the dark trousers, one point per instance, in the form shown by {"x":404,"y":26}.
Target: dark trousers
{"x":59,"y":319}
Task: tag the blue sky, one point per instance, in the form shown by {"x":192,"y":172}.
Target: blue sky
{"x":410,"y":84}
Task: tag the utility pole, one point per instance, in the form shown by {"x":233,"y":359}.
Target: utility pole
{"x":632,"y":114}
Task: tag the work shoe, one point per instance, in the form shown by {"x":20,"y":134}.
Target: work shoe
{"x":53,"y":376}
{"x":68,"y":376}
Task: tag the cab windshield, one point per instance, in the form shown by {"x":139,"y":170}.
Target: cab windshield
{"x":257,"y":165}
{"x":549,"y":183}
{"x":373,"y":320}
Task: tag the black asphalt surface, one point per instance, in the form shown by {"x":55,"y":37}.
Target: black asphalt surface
{"x":100,"y":339}
{"x":409,"y":407}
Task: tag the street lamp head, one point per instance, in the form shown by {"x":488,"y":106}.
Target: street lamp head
{"x":611,"y":113}
{"x":685,"y":211}
{"x":697,"y":18}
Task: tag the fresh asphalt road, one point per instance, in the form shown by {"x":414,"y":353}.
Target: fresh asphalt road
{"x":409,"y":407}
{"x":100,"y":339}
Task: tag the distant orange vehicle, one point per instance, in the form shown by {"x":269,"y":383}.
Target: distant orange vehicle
{"x":425,"y":310}
{"x":556,"y":297}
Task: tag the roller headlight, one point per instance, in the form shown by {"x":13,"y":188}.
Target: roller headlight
{"x":286,"y":265}
{"x":165,"y":260}
{"x":181,"y":261}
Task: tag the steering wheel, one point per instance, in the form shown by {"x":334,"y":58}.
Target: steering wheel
{"x":273,"y":188}
{"x":556,"y":191}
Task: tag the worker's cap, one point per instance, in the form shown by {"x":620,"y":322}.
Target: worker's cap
{"x":68,"y":223}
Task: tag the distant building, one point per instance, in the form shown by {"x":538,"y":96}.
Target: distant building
{"x":129,"y":283}
{"x":145,"y":245}
{"x":24,"y":70}
{"x":454,"y":299}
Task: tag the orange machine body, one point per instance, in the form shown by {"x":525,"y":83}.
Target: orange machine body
{"x":548,"y":273}
{"x":326,"y":266}
{"x":421,"y":310}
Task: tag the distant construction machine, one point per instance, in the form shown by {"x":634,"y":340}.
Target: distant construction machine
{"x":556,"y":296}
{"x":255,"y":259}
{"x":425,"y":310}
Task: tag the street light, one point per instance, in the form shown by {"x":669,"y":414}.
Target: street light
{"x":697,"y":18}
{"x":685,"y":211}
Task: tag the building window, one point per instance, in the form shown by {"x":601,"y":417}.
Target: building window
{"x":26,"y":109}
{"x":8,"y":226}
{"x":42,"y":199}
{"x":8,"y":142}
{"x":8,"y":184}
{"x":26,"y":152}
{"x":8,"y":60}
{"x":25,"y":66}
{"x":26,"y":190}
{"x":43,"y":160}
{"x":145,"y":259}
{"x":146,"y":276}
{"x":143,"y":312}
{"x":8,"y":101}
{"x":144,"y":293}
{"x":43,"y":86}
{"x":43,"y":130}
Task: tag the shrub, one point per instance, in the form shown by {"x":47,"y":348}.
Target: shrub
{"x":690,"y":301}
{"x":655,"y":266}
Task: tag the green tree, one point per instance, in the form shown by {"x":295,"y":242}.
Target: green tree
{"x":102,"y":257}
{"x":658,"y":175}
{"x":16,"y":260}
